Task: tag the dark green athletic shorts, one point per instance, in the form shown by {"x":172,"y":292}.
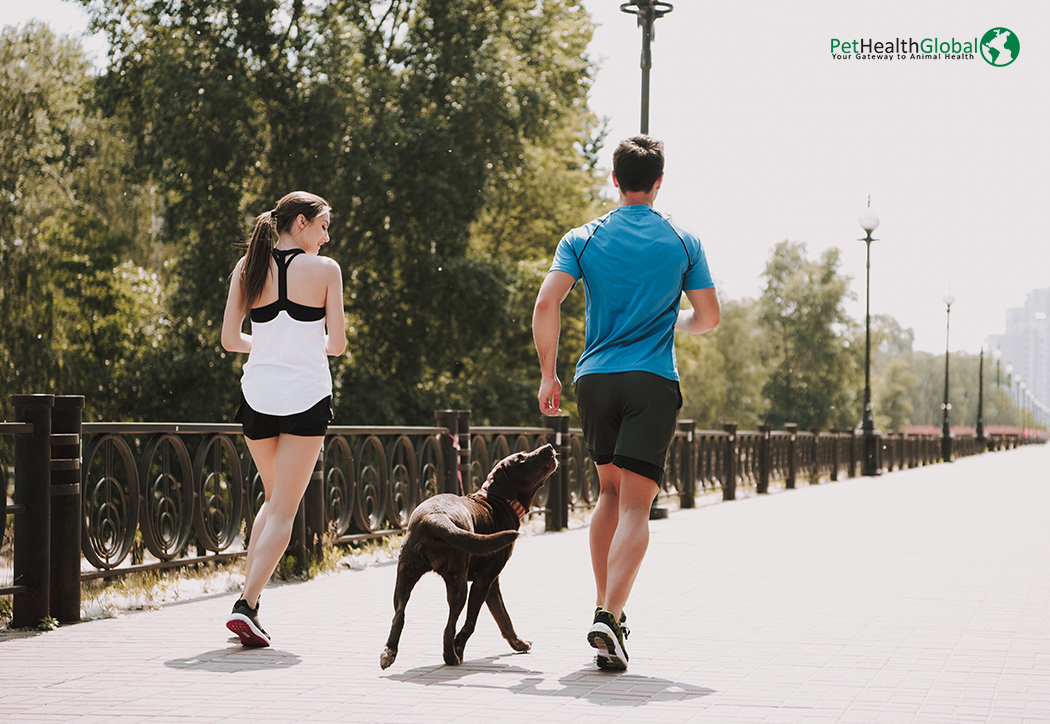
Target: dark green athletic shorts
{"x":628,"y":419}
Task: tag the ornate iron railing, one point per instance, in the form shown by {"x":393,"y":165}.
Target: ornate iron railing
{"x":132,"y":496}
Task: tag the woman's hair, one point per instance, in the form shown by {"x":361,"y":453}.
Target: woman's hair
{"x":268,"y":226}
{"x":638,"y":162}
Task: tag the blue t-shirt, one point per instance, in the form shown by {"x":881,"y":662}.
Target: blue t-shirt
{"x":635,"y":264}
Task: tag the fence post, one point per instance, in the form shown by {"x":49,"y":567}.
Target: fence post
{"x":66,"y":420}
{"x":557,"y":516}
{"x":814,"y":473}
{"x":464,"y":449}
{"x":449,"y":419}
{"x":313,"y":510}
{"x":732,"y":457}
{"x":791,"y":429}
{"x":834,"y":454}
{"x":32,"y":564}
{"x":765,"y":458}
{"x":688,"y":471}
{"x":853,"y":458}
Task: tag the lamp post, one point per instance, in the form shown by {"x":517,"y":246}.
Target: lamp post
{"x":648,"y":12}
{"x":946,"y":428}
{"x":1016,"y":400}
{"x":998,"y":355}
{"x":980,"y":402}
{"x":872,"y":444}
{"x":1022,"y":392}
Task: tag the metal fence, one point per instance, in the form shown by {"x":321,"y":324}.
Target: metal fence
{"x":95,"y":500}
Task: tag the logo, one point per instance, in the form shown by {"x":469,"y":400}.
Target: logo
{"x":1000,"y":47}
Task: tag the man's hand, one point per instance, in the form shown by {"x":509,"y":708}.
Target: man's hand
{"x":550,"y":395}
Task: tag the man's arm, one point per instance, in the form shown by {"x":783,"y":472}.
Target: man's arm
{"x":546,"y":328}
{"x":705,"y":314}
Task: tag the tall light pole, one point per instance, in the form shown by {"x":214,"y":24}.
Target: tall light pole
{"x":980,"y":402}
{"x":1022,"y":395}
{"x":872,"y":444}
{"x":1017,"y":401}
{"x":946,"y":428}
{"x":648,"y":12}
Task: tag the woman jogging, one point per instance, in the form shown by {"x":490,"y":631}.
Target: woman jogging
{"x":291,"y":295}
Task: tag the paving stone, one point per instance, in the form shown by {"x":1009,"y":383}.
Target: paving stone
{"x":920,"y":596}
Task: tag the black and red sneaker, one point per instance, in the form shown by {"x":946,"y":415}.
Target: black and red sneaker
{"x":244,"y":621}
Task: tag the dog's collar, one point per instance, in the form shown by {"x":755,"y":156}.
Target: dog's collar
{"x":515,"y":505}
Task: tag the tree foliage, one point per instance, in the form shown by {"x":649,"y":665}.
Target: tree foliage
{"x":722,"y":372}
{"x":426,"y":124}
{"x":813,"y":361}
{"x":77,"y":313}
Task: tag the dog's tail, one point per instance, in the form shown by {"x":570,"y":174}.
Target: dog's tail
{"x":476,"y":544}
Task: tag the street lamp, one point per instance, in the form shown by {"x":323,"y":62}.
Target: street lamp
{"x":648,"y":11}
{"x":1029,"y":399}
{"x":980,"y":402}
{"x":1016,"y":400}
{"x":946,"y":428}
{"x":872,"y":443}
{"x":1022,"y":391}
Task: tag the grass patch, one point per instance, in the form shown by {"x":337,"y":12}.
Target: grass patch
{"x":149,"y":590}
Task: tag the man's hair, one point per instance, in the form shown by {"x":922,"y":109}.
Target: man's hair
{"x":638,"y":162}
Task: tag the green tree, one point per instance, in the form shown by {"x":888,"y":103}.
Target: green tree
{"x":811,"y":350}
{"x":77,"y":314}
{"x":415,"y":118}
{"x":722,"y":372}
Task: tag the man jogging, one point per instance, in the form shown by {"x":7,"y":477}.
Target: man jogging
{"x":635,"y":264}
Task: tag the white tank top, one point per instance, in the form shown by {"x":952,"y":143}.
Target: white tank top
{"x":287,"y":370}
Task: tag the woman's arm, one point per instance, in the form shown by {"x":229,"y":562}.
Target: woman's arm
{"x":233,"y":339}
{"x":334,"y":315}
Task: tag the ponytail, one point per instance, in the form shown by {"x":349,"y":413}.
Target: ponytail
{"x":268,"y":227}
{"x":257,"y":259}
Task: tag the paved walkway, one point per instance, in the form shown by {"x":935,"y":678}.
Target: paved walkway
{"x":920,"y":596}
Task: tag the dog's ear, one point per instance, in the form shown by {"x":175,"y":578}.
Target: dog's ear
{"x":501,"y":484}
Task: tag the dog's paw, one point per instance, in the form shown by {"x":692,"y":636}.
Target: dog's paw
{"x":452,"y":658}
{"x":520,"y":645}
{"x":387,"y":657}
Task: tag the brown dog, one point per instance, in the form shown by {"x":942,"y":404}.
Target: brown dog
{"x":469,"y":538}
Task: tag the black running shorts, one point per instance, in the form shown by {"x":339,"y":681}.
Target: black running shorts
{"x":310,"y":423}
{"x":628,"y":419}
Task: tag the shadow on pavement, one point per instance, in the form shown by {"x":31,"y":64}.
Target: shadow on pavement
{"x":598,"y":687}
{"x":237,"y":658}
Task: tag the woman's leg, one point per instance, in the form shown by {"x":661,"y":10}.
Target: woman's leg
{"x":293,"y":464}
{"x":264,"y":454}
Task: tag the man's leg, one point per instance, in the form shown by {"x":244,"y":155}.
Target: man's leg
{"x":603,"y":526}
{"x":631,"y":539}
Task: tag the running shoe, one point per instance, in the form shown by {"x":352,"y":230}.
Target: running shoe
{"x":607,"y":636}
{"x":244,"y":621}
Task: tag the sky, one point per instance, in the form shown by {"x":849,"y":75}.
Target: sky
{"x":769,"y":137}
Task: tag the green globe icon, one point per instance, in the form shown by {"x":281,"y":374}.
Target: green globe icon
{"x":1000,"y":46}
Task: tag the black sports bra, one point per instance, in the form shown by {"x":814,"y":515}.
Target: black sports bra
{"x":298,"y":312}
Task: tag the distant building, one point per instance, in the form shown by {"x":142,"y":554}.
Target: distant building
{"x":1026,"y":344}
